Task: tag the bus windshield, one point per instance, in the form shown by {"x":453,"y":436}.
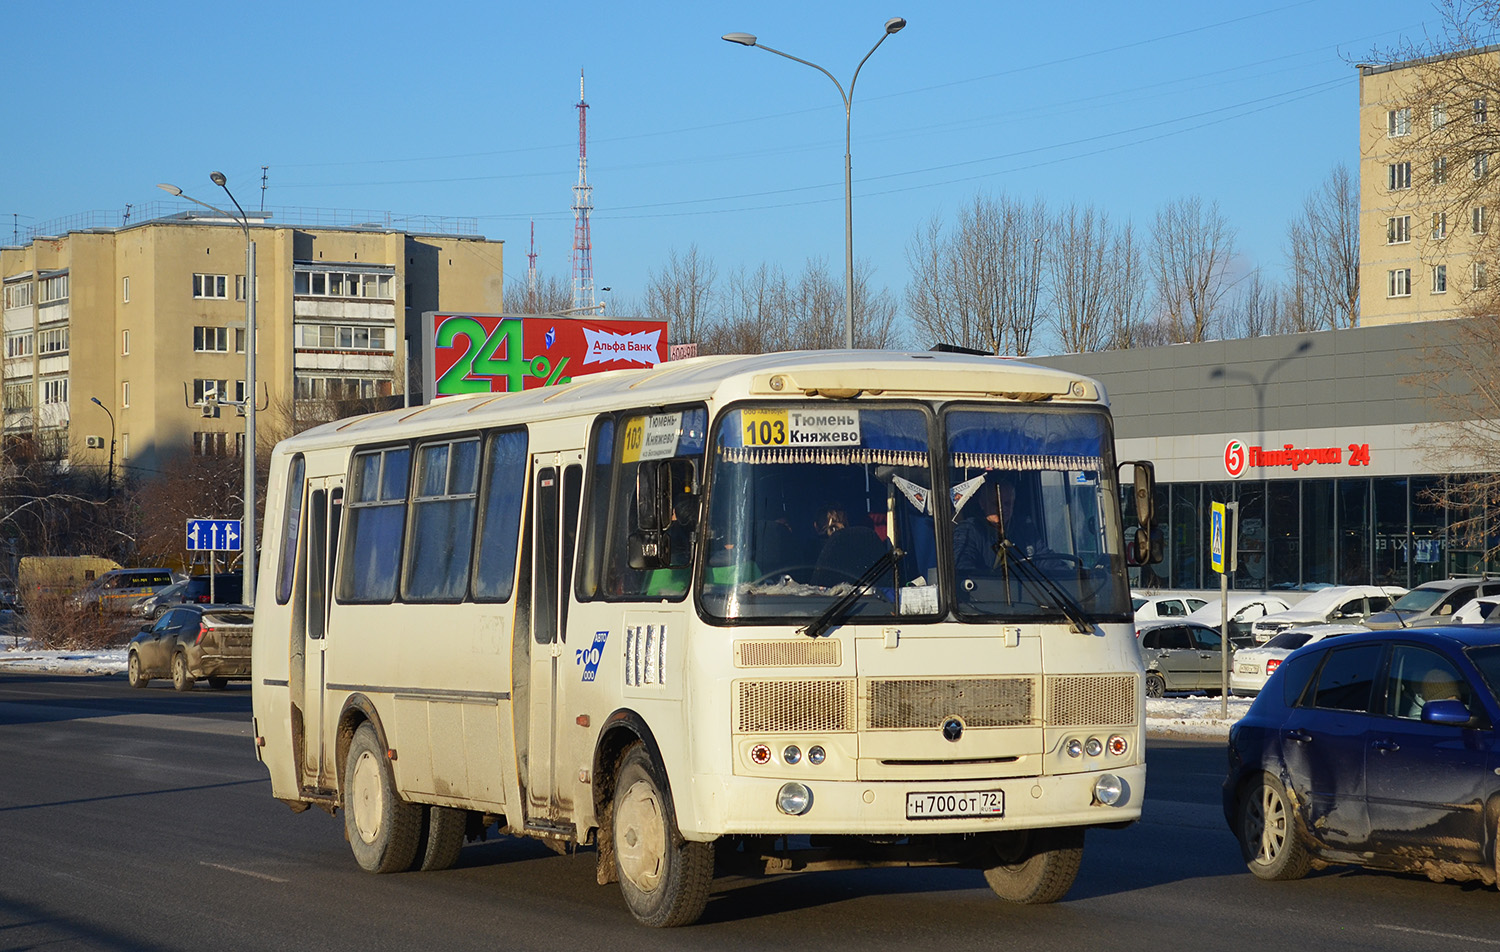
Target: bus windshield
{"x":1018,"y":519}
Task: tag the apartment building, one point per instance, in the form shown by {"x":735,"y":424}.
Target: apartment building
{"x":1428,"y":183}
{"x":149,"y":320}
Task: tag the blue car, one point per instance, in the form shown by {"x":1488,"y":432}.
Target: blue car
{"x":1377,"y":749}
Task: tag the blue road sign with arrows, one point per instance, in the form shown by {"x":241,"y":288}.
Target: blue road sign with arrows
{"x":213,"y":535}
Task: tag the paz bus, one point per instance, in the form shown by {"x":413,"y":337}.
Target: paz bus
{"x":766,"y":613}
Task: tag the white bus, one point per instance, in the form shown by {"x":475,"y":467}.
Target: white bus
{"x":771,"y":613}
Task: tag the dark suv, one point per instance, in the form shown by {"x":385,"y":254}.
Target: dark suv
{"x":1373,"y":749}
{"x":227,"y":589}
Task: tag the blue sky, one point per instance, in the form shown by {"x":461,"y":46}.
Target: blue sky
{"x":466,"y":109}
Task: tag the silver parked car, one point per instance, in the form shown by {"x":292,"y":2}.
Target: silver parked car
{"x":1180,"y":656}
{"x":1431,"y":603}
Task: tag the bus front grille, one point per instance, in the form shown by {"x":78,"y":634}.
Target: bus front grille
{"x":906,"y":703}
{"x":1091,"y":700}
{"x":795,"y":706}
{"x":804,"y":652}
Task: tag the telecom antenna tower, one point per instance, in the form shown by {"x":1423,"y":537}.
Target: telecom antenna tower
{"x":531,"y":300}
{"x":583,"y":204}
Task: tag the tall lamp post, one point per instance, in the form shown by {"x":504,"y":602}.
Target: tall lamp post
{"x":247,"y":538}
{"x":101,"y":406}
{"x":893,"y":25}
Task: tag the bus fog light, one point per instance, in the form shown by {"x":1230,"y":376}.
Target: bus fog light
{"x":1094,"y":747}
{"x":794,"y":799}
{"x":1109,"y":789}
{"x":1117,"y":746}
{"x":791,"y":755}
{"x":760,"y":755}
{"x":816,"y":755}
{"x":1075,"y":748}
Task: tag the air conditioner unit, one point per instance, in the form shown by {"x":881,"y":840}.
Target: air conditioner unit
{"x":94,"y":442}
{"x":210,"y":411}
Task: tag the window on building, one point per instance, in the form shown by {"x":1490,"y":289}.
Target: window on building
{"x":1480,"y":282}
{"x":18,"y":294}
{"x":1398,"y":282}
{"x":239,"y":288}
{"x":1440,"y":279}
{"x":211,"y":286}
{"x":211,"y":443}
{"x":239,"y":340}
{"x":1398,"y":176}
{"x":124,"y":343}
{"x":124,"y":394}
{"x":1440,"y":170}
{"x":1440,"y":225}
{"x":1481,"y":111}
{"x":125,"y":289}
{"x":1398,"y":122}
{"x":124,"y":445}
{"x":54,"y":289}
{"x":211,"y":340}
{"x":202,"y":387}
{"x":1439,"y":116}
{"x":55,"y":391}
{"x":341,"y":388}
{"x":52,"y":341}
{"x":17,"y":397}
{"x":1477,"y":223}
{"x":348,"y":284}
{"x":19,"y":345}
{"x":1481,"y":166}
{"x":336,"y":337}
{"x":1398,"y":230}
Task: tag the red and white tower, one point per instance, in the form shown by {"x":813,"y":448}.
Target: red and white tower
{"x":531,"y":301}
{"x":583,"y":204}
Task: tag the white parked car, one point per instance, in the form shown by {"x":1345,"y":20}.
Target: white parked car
{"x":1251,"y":667}
{"x":1341,"y":604}
{"x":1484,"y":610}
{"x":1153,"y":607}
{"x":1245,"y":609}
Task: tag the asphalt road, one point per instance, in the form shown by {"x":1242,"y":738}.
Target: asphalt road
{"x":141,"y":820}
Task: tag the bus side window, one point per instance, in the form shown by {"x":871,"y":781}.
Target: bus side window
{"x":500,"y":516}
{"x":291,"y":527}
{"x":444,"y":500}
{"x":377,"y":521}
{"x":601,"y":490}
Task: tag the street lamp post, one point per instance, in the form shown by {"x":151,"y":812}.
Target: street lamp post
{"x":101,"y":406}
{"x":893,"y":25}
{"x":247,"y":537}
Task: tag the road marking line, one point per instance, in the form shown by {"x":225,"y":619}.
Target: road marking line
{"x":1440,"y":935}
{"x":244,"y":872}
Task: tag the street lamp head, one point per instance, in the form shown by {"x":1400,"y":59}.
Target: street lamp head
{"x":95,"y":400}
{"x":170,"y":188}
{"x":748,"y":39}
{"x":218,"y":177}
{"x":895,"y":24}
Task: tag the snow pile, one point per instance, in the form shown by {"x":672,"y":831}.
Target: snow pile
{"x":1186,"y":717}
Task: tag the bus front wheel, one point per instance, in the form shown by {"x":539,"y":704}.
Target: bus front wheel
{"x":664,"y":878}
{"x":1036,"y":867}
{"x":383,"y":830}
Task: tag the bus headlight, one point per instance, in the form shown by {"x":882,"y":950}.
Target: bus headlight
{"x":794,"y":799}
{"x":1108,"y":789}
{"x":816,"y":755}
{"x":1075,"y":748}
{"x":1094,"y":747}
{"x":791,"y":755}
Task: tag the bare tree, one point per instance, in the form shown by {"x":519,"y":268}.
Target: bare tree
{"x":682,"y":294}
{"x":980,"y":286}
{"x":1191,"y":245}
{"x":1256,"y":310}
{"x":1323,"y":248}
{"x":551,"y":295}
{"x":1128,"y":294}
{"x":765,"y":311}
{"x":1081,"y":280}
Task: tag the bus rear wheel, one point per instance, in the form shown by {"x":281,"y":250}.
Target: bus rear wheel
{"x":665,"y":879}
{"x":383,"y":830}
{"x":1037,"y":867}
{"x":442,"y":838}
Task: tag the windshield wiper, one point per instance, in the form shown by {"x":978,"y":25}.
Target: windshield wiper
{"x":836,"y":612}
{"x":1066,"y":604}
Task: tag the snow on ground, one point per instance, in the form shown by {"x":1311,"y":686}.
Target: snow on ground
{"x":1178,"y":716}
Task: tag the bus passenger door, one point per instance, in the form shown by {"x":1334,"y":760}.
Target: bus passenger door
{"x":555,"y":490}
{"x":325,"y":503}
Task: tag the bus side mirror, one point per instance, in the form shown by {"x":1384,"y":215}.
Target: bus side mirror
{"x":1147,"y":548}
{"x":649,"y":549}
{"x":1145,"y":491}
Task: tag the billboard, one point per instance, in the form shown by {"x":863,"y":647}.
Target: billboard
{"x":507,"y":353}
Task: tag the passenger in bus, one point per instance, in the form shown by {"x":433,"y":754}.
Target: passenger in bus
{"x":847,"y":550}
{"x":673,"y":581}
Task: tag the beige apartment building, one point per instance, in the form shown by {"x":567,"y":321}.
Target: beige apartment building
{"x":1425,"y":172}
{"x":149,"y":320}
